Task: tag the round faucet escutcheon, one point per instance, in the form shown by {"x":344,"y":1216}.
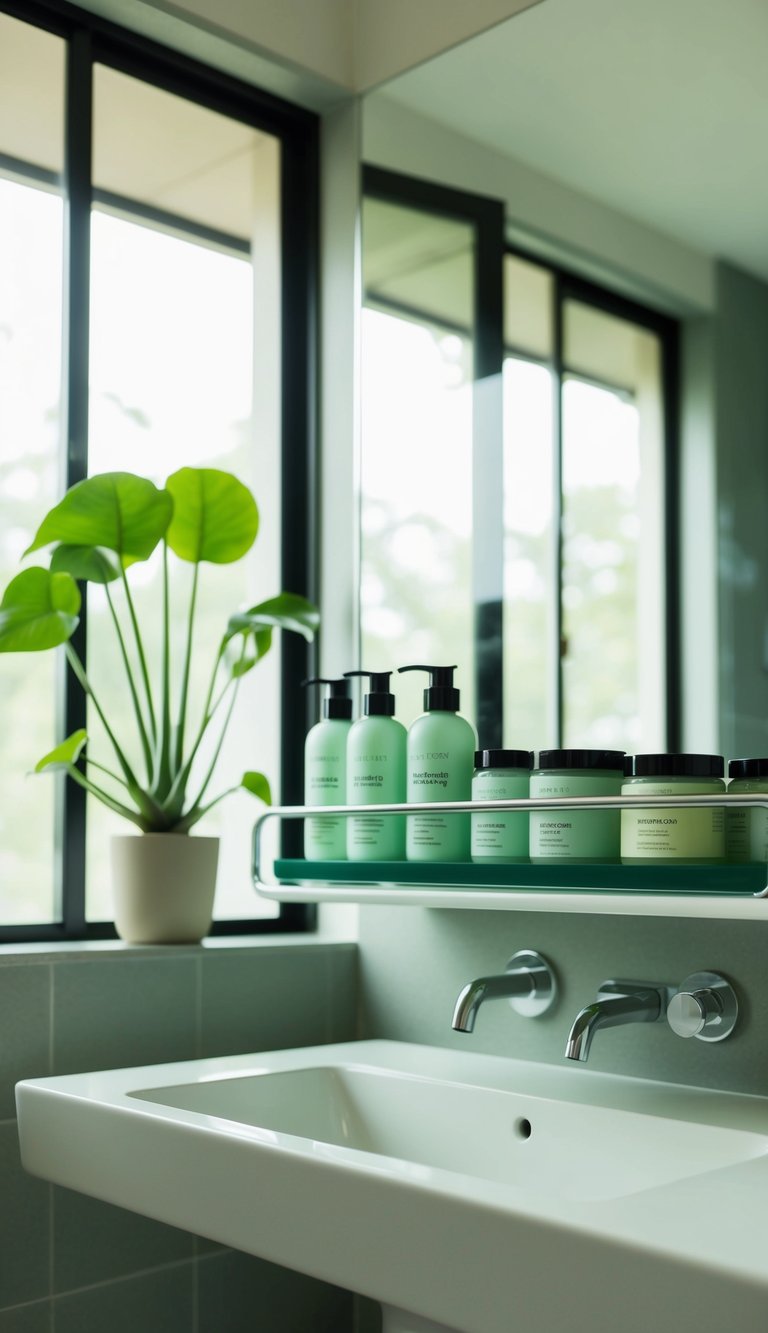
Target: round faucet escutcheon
{"x":705,"y":1007}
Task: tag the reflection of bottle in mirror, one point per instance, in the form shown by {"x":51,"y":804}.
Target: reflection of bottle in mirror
{"x":746,"y":830}
{"x":376,"y":774}
{"x":441,"y":752}
{"x":325,"y":773}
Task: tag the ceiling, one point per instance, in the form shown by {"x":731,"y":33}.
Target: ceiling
{"x":659,"y":110}
{"x":149,"y":145}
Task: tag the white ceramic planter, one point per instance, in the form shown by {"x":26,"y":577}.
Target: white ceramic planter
{"x":163,"y":886}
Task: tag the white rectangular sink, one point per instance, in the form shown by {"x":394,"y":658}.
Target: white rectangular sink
{"x":478,"y":1192}
{"x":537,"y":1144}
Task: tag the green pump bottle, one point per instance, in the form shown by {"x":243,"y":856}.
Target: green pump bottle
{"x":440,"y":761}
{"x":376,"y":748}
{"x":325,"y":773}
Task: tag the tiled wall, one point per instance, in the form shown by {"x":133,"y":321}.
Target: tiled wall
{"x":70,"y":1264}
{"x":414,"y":962}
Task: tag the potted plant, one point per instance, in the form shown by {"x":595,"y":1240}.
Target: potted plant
{"x":103,"y":527}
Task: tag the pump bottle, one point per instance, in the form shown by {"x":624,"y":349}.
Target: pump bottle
{"x":325,"y":773}
{"x":376,"y":748}
{"x":440,"y":760}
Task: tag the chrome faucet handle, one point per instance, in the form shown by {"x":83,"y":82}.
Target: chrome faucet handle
{"x":527,"y":981}
{"x":705,"y":1007}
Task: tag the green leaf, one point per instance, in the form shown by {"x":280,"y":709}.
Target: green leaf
{"x":125,"y":513}
{"x":239,"y":665}
{"x":65,"y":754}
{"x":286,"y":611}
{"x":39,"y":610}
{"x":89,"y":563}
{"x":257,"y":785}
{"x":214,"y":516}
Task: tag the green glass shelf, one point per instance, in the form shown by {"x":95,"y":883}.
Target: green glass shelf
{"x":660,"y":878}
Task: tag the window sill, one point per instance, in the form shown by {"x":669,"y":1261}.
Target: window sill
{"x":87,"y":950}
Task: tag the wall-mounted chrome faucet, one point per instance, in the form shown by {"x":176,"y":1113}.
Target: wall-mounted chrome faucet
{"x":704,"y":1006}
{"x":528,"y":982}
{"x":617,"y":1002}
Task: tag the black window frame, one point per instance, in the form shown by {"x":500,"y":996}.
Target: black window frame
{"x":488,"y":219}
{"x":91,"y":39}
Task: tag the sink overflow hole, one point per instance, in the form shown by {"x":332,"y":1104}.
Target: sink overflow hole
{"x":522,"y":1128}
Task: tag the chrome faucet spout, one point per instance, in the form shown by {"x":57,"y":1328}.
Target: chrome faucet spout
{"x":477,"y":992}
{"x":617,"y":1003}
{"x":527,"y":982}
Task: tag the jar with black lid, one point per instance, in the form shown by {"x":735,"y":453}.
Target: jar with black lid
{"x":686,"y":835}
{"x":500,"y":775}
{"x":580,"y":836}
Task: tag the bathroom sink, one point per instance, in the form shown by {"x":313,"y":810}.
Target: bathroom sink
{"x":449,"y":1184}
{"x":495,"y":1135}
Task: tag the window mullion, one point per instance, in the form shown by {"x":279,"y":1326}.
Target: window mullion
{"x":71,"y":704}
{"x":488,"y":475}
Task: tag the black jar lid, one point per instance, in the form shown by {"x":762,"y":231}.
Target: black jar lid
{"x":748,"y":768}
{"x":679,"y":765}
{"x":503,"y":759}
{"x":607,"y":759}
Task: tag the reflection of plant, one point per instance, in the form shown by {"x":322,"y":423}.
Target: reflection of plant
{"x":103,"y":526}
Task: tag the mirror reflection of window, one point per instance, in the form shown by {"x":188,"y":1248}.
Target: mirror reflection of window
{"x":584,"y":600}
{"x":613,"y":491}
{"x":529,"y":658}
{"x":416,"y":472}
{"x":582,"y":656}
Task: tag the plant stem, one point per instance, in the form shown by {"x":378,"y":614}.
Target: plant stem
{"x":185,"y":677}
{"x":107,"y":800}
{"x":140,"y":651}
{"x":79,"y":670}
{"x":162,"y":782}
{"x":182,"y":775}
{"x":131,"y":685}
{"x":197,"y":812}
{"x":114,"y":776}
{"x":217,"y":751}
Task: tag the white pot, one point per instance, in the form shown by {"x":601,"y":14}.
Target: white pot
{"x":163,"y":886}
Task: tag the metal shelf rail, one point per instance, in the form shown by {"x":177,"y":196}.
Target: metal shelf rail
{"x":604,"y":887}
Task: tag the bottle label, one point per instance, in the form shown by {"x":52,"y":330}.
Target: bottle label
{"x":577,"y":835}
{"x":502,"y":835}
{"x":685,"y":834}
{"x":746,"y":830}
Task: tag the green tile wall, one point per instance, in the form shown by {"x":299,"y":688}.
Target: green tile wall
{"x":34,"y":1318}
{"x":71,"y":1264}
{"x":415,"y":961}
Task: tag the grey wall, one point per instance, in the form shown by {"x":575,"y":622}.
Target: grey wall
{"x":741,"y":415}
{"x":415,"y":960}
{"x":69,"y":1264}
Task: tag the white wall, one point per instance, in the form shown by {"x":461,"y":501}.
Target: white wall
{"x":548,"y":216}
{"x":313,"y":52}
{"x":394,"y":36}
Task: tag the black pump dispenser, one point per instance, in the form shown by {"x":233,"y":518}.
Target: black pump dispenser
{"x":338,"y":705}
{"x":379,"y":701}
{"x":441,"y":694}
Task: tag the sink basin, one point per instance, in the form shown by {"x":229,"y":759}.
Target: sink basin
{"x":446,"y":1184}
{"x":535,"y":1143}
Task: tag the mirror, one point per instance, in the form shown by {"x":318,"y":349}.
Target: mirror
{"x":626,"y":144}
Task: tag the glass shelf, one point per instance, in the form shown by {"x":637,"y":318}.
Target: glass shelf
{"x":731,"y":892}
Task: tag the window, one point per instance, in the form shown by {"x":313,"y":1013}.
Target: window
{"x":172,"y":241}
{"x":517,"y":479}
